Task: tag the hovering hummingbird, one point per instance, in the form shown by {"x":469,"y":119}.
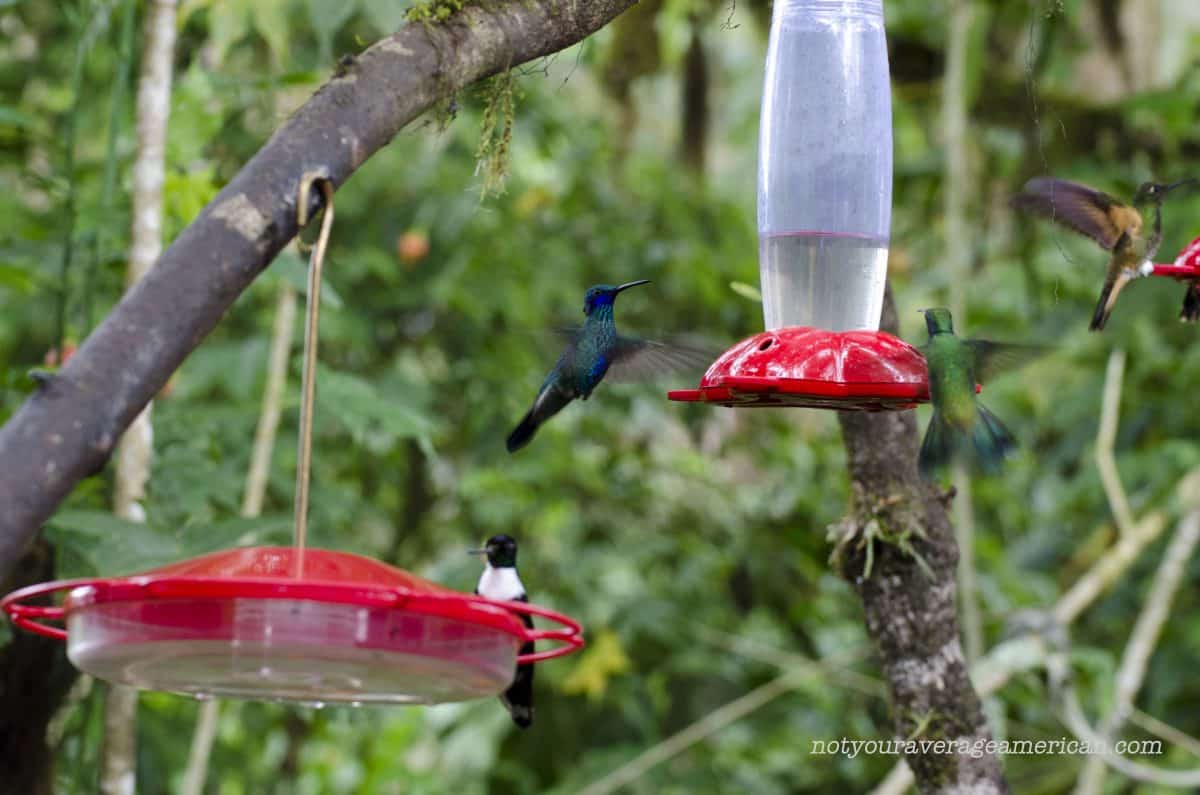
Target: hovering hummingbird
{"x":961,"y":426}
{"x":500,"y":581}
{"x":1117,"y":227}
{"x":591,"y":351}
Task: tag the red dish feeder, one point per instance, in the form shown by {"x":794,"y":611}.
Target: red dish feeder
{"x":1186,"y":267}
{"x":251,"y":623}
{"x":815,"y":368}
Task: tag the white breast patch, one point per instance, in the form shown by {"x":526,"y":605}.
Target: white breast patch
{"x":500,"y":584}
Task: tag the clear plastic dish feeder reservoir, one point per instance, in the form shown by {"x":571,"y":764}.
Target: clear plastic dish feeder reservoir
{"x":274,"y":623}
{"x":824,"y":218}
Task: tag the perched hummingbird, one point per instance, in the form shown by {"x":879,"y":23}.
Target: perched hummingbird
{"x":1117,"y":227}
{"x":591,"y":351}
{"x":500,"y":581}
{"x":961,"y":426}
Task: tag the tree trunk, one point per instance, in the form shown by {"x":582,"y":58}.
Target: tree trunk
{"x":34,"y":678}
{"x":908,"y":596}
{"x":67,"y":429}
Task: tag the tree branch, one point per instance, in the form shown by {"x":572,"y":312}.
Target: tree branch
{"x":1106,"y":437}
{"x":908,"y":598}
{"x":118,"y":762}
{"x":67,"y":429}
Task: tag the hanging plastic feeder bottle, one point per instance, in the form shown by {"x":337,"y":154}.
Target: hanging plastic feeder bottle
{"x":291,"y":623}
{"x":824,"y":218}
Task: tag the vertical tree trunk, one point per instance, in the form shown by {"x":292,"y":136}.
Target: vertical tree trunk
{"x":134,"y":454}
{"x":34,"y":678}
{"x":898,"y":522}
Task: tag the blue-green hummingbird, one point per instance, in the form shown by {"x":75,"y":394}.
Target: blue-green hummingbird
{"x":961,"y":428}
{"x":593,"y":349}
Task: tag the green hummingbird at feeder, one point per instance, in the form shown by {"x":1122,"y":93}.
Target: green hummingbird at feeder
{"x":1116,"y":226}
{"x":590,"y":353}
{"x":961,"y":428}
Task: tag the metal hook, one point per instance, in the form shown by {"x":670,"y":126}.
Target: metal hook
{"x":308,"y":377}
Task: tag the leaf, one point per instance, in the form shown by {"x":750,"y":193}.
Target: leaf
{"x":386,"y":16}
{"x":603,"y":659}
{"x":327,"y":19}
{"x":747,"y":291}
{"x":294,"y":270}
{"x":375,"y":419}
{"x":238,"y":531}
{"x":109,"y":545}
{"x":16,"y":278}
{"x":270,"y":20}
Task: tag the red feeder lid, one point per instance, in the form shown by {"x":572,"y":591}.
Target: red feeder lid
{"x":269,"y":622}
{"x":1186,"y":266}
{"x":815,"y":368}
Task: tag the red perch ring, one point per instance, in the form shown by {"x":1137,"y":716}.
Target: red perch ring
{"x":814,"y":368}
{"x":269,"y":623}
{"x":1186,"y":266}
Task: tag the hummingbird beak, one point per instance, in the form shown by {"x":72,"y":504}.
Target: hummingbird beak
{"x":1179,"y":184}
{"x":477,"y":551}
{"x":627,"y":285}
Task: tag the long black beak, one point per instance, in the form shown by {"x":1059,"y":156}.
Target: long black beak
{"x":1179,"y":184}
{"x":627,"y":285}
{"x":477,"y":551}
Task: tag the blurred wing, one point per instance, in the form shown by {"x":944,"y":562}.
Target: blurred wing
{"x":1075,"y":206}
{"x":994,"y":358}
{"x":645,"y":360}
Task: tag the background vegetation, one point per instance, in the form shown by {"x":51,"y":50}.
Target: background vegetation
{"x":667,"y":529}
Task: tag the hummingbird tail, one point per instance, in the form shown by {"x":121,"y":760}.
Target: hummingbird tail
{"x":549,"y":402}
{"x":518,"y":698}
{"x":1104,"y":306}
{"x":987,"y":444}
{"x":524,"y":431}
{"x":938,"y":447}
{"x":1191,"y":304}
{"x":991,"y":440}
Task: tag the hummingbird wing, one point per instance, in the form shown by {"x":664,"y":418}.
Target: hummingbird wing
{"x":636,"y":359}
{"x":994,"y":358}
{"x":1085,"y":210}
{"x":644,"y":360}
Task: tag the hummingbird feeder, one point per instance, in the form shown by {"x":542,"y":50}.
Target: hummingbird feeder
{"x":290,"y":623}
{"x":1185,"y":268}
{"x":824,"y":220}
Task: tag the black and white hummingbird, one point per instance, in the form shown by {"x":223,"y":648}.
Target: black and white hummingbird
{"x":500,"y":581}
{"x":593,"y":349}
{"x":1116,"y":226}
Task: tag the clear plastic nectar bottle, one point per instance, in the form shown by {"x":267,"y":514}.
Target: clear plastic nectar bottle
{"x":825,"y":166}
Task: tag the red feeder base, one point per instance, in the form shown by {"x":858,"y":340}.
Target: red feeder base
{"x":267,"y":623}
{"x":814,"y":368}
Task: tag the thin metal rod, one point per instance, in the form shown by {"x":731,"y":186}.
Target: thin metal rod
{"x":308,"y":377}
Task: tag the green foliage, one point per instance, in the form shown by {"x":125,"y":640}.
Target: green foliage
{"x":435,"y":11}
{"x":663,"y":527}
